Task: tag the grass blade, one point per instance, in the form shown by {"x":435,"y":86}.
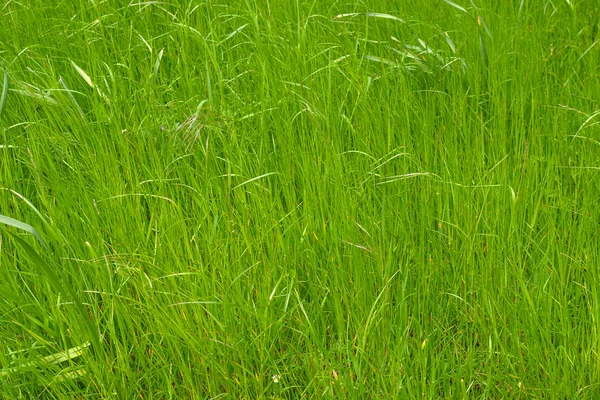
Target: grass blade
{"x":484,"y":55}
{"x":235,"y":32}
{"x":450,"y":42}
{"x":395,"y":178}
{"x":458,"y":7}
{"x":384,"y":16}
{"x":4,"y":92}
{"x":81,"y":72}
{"x":24,"y":227}
{"x":255,"y":178}
{"x":157,"y":64}
{"x":381,"y":60}
{"x":64,"y":85}
{"x":481,"y":22}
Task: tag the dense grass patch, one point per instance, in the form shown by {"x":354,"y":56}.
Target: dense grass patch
{"x":304,"y":200}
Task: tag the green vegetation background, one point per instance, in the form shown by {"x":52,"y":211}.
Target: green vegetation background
{"x":261,"y":199}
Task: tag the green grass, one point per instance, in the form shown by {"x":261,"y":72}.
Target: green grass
{"x":355,"y":199}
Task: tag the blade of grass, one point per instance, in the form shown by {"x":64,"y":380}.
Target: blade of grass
{"x":458,"y":7}
{"x":483,"y":50}
{"x":4,"y":92}
{"x":64,"y":85}
{"x":23,"y":226}
{"x":255,"y":178}
{"x":83,"y":74}
{"x":384,"y":16}
{"x":157,"y":64}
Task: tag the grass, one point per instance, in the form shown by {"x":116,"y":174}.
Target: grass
{"x":251,"y":199}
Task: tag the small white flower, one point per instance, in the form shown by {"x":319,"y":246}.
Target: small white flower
{"x":276,"y":378}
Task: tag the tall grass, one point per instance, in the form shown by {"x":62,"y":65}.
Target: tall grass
{"x":251,"y":199}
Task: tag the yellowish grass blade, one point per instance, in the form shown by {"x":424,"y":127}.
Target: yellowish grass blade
{"x":83,"y":74}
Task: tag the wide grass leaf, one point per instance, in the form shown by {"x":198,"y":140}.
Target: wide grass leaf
{"x":23,"y":226}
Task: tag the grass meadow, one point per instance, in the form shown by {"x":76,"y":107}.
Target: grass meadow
{"x":356,"y":199}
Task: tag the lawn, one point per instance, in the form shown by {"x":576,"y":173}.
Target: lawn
{"x":300,"y":199}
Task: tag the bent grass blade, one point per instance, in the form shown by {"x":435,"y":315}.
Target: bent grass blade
{"x":255,"y":178}
{"x":83,"y":74}
{"x":23,"y":226}
{"x":458,"y":7}
{"x":384,"y":16}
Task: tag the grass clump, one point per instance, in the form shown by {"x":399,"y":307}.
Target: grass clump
{"x":246,"y":199}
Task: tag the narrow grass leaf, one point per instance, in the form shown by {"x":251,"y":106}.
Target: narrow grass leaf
{"x":157,"y":64}
{"x":588,"y":49}
{"x":458,"y":7}
{"x":481,"y":22}
{"x":384,"y":16}
{"x":585,"y":124}
{"x":235,"y":32}
{"x":381,"y":60}
{"x":396,"y":178}
{"x":4,"y":92}
{"x":373,"y":311}
{"x":484,"y":55}
{"x":155,"y":196}
{"x":64,"y":85}
{"x":208,"y":85}
{"x":256,"y":178}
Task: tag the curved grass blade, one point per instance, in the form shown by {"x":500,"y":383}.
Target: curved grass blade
{"x":83,"y":74}
{"x":23,"y":226}
{"x":255,"y":178}
{"x":481,"y":22}
{"x":458,"y":7}
{"x":450,"y":42}
{"x":384,"y":16}
{"x":157,"y":64}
